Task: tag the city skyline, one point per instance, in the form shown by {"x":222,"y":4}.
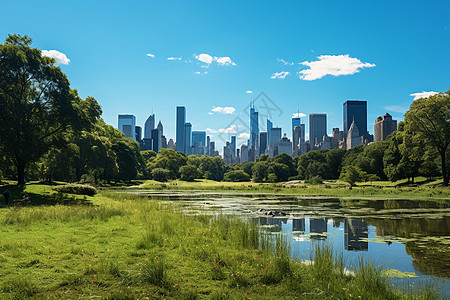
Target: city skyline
{"x":190,"y":54}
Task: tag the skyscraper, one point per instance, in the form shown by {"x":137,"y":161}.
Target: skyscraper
{"x":355,"y":110}
{"x":233,"y":146}
{"x":180,"y":130}
{"x":383,"y":127}
{"x":285,"y":146}
{"x":254,"y":133}
{"x":188,"y":138}
{"x":138,"y":133}
{"x":208,"y":141}
{"x":156,"y":140}
{"x":317,"y":128}
{"x":199,"y":141}
{"x":127,"y":124}
{"x":262,"y":143}
{"x":149,"y":126}
{"x":296,"y":121}
{"x":275,"y":137}
{"x":269,"y":126}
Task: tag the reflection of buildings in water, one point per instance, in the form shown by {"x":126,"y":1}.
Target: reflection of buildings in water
{"x":337,"y":222}
{"x":318,"y":229}
{"x":354,"y":231}
{"x":272,"y":224}
{"x":298,"y":225}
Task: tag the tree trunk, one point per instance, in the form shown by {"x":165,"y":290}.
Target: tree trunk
{"x":444,"y":168}
{"x":20,"y":165}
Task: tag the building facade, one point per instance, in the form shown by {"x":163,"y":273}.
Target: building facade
{"x":180,"y":130}
{"x":317,"y":129}
{"x":127,"y":125}
{"x":384,"y":126}
{"x":355,"y":110}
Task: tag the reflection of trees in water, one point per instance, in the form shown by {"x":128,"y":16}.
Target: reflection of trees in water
{"x":431,"y":257}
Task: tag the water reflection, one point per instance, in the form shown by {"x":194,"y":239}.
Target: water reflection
{"x":355,"y":235}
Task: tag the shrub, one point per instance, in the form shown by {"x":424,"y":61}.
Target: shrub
{"x":236,"y":176}
{"x":190,"y":173}
{"x":79,"y":189}
{"x":160,"y":174}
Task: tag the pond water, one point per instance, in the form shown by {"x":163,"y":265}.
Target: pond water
{"x":409,"y":236}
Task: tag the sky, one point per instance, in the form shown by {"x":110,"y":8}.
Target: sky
{"x":214,"y":57}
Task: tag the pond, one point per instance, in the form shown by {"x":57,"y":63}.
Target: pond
{"x":406,"y":235}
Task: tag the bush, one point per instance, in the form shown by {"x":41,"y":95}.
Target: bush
{"x":160,"y":174}
{"x":190,"y":173}
{"x":79,"y":189}
{"x":315,"y":180}
{"x":236,"y":176}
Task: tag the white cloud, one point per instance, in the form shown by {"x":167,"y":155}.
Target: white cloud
{"x":208,"y":60}
{"x":423,"y":95}
{"x":201,"y":73}
{"x":335,"y":65}
{"x":211,"y":130}
{"x":244,"y":136}
{"x":231,"y":129}
{"x":249,"y":92}
{"x":60,"y":57}
{"x":298,"y":115}
{"x":396,"y":108}
{"x":150,"y":55}
{"x":279,"y":75}
{"x":224,"y":61}
{"x":227,"y":110}
{"x":174,"y":58}
{"x":286,"y":63}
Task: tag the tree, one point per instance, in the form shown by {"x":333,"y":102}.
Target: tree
{"x":161,"y":175}
{"x":190,"y":173}
{"x":351,"y":175}
{"x":260,"y":171}
{"x":168,"y":159}
{"x":286,"y":159}
{"x":280,"y":170}
{"x":236,"y":176}
{"x":38,"y":106}
{"x":429,"y":120}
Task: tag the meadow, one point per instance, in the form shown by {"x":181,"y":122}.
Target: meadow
{"x":121,"y":246}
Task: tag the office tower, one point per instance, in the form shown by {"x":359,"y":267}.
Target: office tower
{"x":383,"y":127}
{"x":149,"y":126}
{"x":353,"y":136}
{"x":198,"y":141}
{"x":296,"y":141}
{"x":138,"y":133}
{"x":163,"y":142}
{"x":127,"y":124}
{"x":285,"y":146}
{"x":233,"y":146}
{"x":355,"y":235}
{"x":295,"y":122}
{"x":188,"y":138}
{"x":156,"y":140}
{"x":254,"y":133}
{"x":355,"y":110}
{"x":262,"y":143}
{"x":244,"y":153}
{"x":317,"y":129}
{"x":208,"y":141}
{"x":147,"y":144}
{"x":171,"y":144}
{"x":212,"y":148}
{"x":275,"y":137}
{"x":269,"y":126}
{"x":181,"y":130}
{"x":227,"y":155}
{"x":337,"y":134}
{"x":160,"y":128}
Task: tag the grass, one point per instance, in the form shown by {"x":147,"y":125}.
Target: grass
{"x":120,"y":246}
{"x":328,"y":189}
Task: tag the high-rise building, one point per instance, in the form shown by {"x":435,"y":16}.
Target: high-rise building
{"x":208,"y":141}
{"x":353,"y":136}
{"x":212,"y":148}
{"x":227,"y":155}
{"x":269,"y":126}
{"x":285,"y":146}
{"x":149,"y":126}
{"x":275,"y":137}
{"x":181,"y":130}
{"x":138,"y":133}
{"x":160,"y":128}
{"x":296,"y":141}
{"x":317,"y":128}
{"x":171,"y":144}
{"x":262,"y":143}
{"x":156,"y":140}
{"x":296,"y":121}
{"x":188,"y":138}
{"x":254,"y":133}
{"x":127,"y":124}
{"x":383,"y":127}
{"x":233,"y":146}
{"x":355,"y":110}
{"x":199,"y":141}
{"x":244,"y":153}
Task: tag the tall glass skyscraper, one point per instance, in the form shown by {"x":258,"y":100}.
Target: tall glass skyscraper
{"x":127,"y":125}
{"x":233,"y":145}
{"x":295,"y":122}
{"x":254,"y":133}
{"x":188,"y":138}
{"x":355,"y":110}
{"x":149,"y":126}
{"x":317,"y":128}
{"x":180,"y":130}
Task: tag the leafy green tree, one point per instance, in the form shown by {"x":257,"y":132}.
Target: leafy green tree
{"x":351,"y":175}
{"x":168,"y":159}
{"x":428,"y":119}
{"x":213,"y":168}
{"x":260,"y":171}
{"x":160,"y":174}
{"x":280,"y":170}
{"x":286,"y":159}
{"x":38,"y":106}
{"x":127,"y":159}
{"x":236,"y":176}
{"x":247,"y":167}
{"x":314,"y":163}
{"x":370,"y":159}
{"x":190,"y":173}
{"x":334,"y":162}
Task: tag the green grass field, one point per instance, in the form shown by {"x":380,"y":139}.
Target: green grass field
{"x":120,"y":246}
{"x":376,"y":189}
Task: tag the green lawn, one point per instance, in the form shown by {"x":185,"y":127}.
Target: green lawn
{"x":120,"y":246}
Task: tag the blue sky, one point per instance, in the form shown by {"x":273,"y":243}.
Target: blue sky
{"x":387,"y":49}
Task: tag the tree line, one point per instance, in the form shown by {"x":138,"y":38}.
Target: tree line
{"x":47,"y":132}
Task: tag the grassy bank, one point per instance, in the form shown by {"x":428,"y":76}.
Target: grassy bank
{"x":329,"y":188}
{"x":119,"y":246}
